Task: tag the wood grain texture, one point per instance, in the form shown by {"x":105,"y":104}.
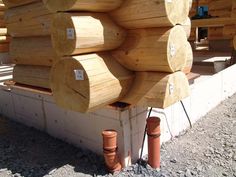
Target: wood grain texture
{"x":187,"y":27}
{"x":82,"y":5}
{"x":154,"y":49}
{"x":3,"y":31}
{"x":37,"y":76}
{"x":234,"y":42}
{"x":102,"y":81}
{"x":32,"y":51}
{"x":16,"y":3}
{"x":158,"y":90}
{"x":213,"y":22}
{"x":5,"y":39}
{"x":152,"y":13}
{"x":189,"y":63}
{"x":29,"y":20}
{"x":78,"y":33}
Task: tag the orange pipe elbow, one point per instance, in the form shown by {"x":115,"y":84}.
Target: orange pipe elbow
{"x":154,"y":133}
{"x":110,"y":150}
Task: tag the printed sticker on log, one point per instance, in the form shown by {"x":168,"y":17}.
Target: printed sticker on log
{"x":79,"y":75}
{"x":70,"y":33}
{"x":172,"y":50}
{"x":171,"y":89}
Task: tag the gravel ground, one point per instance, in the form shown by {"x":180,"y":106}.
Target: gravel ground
{"x":209,"y":149}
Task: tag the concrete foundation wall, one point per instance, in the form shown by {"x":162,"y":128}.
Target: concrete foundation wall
{"x":84,"y":130}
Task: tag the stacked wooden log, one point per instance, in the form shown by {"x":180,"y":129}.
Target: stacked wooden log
{"x":4,"y":38}
{"x":29,"y":24}
{"x":221,"y":9}
{"x":132,"y":51}
{"x":221,"y":25}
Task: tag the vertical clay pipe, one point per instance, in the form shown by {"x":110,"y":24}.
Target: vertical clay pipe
{"x":110,"y":150}
{"x":154,"y":133}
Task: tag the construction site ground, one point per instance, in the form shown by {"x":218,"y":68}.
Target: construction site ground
{"x":206,"y":150}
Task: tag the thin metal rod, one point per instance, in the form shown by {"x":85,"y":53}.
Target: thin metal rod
{"x":190,"y":123}
{"x":144,"y":134}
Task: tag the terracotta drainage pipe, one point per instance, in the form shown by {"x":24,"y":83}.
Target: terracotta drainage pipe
{"x":110,"y":150}
{"x":154,"y":133}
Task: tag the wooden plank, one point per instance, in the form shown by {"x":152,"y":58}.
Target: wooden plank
{"x":211,"y":22}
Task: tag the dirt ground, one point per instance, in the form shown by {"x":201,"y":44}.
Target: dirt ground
{"x":206,"y":150}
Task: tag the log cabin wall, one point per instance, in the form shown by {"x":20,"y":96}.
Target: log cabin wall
{"x":92,"y":54}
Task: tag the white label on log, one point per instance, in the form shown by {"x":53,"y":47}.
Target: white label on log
{"x":172,"y":50}
{"x":168,"y":0}
{"x":79,"y":75}
{"x":171,"y":89}
{"x":70,"y":33}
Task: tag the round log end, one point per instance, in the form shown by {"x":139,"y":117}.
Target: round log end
{"x":189,"y":62}
{"x":59,"y":5}
{"x":63,"y":34}
{"x":177,"y":88}
{"x":187,"y":27}
{"x":85,"y":83}
{"x":175,"y":48}
{"x":68,"y":91}
{"x":177,"y":11}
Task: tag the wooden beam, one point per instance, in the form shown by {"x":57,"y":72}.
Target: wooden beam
{"x":211,"y":22}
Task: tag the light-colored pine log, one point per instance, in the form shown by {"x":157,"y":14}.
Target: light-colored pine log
{"x":77,"y":33}
{"x":3,"y":31}
{"x":5,"y":39}
{"x":16,"y":3}
{"x":152,"y":13}
{"x":37,"y":76}
{"x":189,"y":63}
{"x":157,"y":89}
{"x":85,"y":83}
{"x":2,"y":7}
{"x":190,"y":5}
{"x":213,"y":22}
{"x":82,"y":5}
{"x":154,"y":49}
{"x":187,"y":27}
{"x":29,"y":20}
{"x":32,"y":51}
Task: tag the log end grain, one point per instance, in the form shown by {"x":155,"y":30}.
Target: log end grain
{"x":158,"y":90}
{"x":88,"y":82}
{"x":78,"y":33}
